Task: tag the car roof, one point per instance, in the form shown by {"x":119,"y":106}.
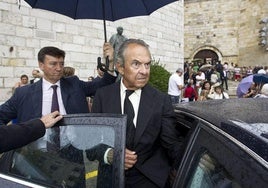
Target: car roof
{"x":243,"y":118}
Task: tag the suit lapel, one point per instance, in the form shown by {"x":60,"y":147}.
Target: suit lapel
{"x":145,"y":112}
{"x":37,"y":94}
{"x":64,"y":87}
{"x":116,"y":99}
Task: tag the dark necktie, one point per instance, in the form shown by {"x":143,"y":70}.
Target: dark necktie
{"x":131,"y":130}
{"x":55,"y":103}
{"x":55,"y":131}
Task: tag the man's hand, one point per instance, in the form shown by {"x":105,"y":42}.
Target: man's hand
{"x":108,"y":51}
{"x":110,"y":156}
{"x":130,"y":159}
{"x":50,"y":119}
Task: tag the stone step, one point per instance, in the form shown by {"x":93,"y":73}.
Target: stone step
{"x":232,"y":86}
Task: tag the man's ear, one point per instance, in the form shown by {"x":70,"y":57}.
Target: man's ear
{"x":120,"y":69}
{"x":40,"y":65}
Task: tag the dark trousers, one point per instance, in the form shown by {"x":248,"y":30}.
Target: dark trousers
{"x":135,"y":179}
{"x":224,"y":81}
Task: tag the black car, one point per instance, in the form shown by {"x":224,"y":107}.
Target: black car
{"x":226,"y":145}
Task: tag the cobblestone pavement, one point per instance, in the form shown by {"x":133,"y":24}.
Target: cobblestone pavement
{"x":232,"y":86}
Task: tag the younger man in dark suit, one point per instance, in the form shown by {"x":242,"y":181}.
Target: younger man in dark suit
{"x":156,"y":144}
{"x":35,"y":100}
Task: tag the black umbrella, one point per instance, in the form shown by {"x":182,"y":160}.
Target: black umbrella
{"x":260,"y":78}
{"x":100,"y":9}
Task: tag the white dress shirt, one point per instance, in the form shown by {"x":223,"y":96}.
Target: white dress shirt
{"x":134,"y":99}
{"x":46,"y":109}
{"x":47,"y":98}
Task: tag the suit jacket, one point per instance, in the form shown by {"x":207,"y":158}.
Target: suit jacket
{"x":26,"y":103}
{"x":15,"y":136}
{"x":157,"y":142}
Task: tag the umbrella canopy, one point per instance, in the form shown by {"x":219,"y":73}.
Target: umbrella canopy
{"x":260,"y":78}
{"x":205,"y":67}
{"x":100,"y":9}
{"x":244,"y":85}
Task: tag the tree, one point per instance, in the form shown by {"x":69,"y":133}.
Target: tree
{"x":159,"y":76}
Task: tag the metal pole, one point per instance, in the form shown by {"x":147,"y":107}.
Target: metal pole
{"x":104,"y":21}
{"x":105,"y":35}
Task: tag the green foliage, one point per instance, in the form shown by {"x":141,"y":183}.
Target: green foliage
{"x":159,"y":76}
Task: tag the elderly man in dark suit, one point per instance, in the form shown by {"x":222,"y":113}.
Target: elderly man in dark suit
{"x":153,"y":143}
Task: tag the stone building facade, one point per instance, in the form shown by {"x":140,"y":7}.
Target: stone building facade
{"x":226,"y":30}
{"x":24,"y":31}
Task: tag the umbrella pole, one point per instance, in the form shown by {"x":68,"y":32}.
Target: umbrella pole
{"x":105,"y":35}
{"x":105,"y":40}
{"x":104,"y":25}
{"x":104,"y":21}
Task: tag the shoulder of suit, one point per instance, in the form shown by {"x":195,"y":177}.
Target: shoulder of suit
{"x":25,"y":91}
{"x":108,"y":88}
{"x":24,"y":88}
{"x":69,"y":78}
{"x":111,"y":86}
{"x":152,"y":90}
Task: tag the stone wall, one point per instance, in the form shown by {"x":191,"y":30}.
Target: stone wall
{"x":250,"y":53}
{"x":231,"y":27}
{"x":24,"y":31}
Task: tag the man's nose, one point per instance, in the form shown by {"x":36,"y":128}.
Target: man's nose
{"x":143,"y":69}
{"x":59,"y":66}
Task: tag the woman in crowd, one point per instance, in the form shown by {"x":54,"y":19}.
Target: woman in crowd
{"x":216,"y":92}
{"x":189,"y":91}
{"x":205,"y":91}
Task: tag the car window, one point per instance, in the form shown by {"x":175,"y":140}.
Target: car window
{"x":215,"y":159}
{"x":209,"y":174}
{"x":90,"y":154}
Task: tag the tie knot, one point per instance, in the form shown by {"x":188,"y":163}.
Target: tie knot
{"x":129,"y":92}
{"x":54,"y":87}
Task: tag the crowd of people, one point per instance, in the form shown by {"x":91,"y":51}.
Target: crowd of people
{"x":200,"y":82}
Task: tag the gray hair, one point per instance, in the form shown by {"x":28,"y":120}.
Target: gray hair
{"x":121,"y":52}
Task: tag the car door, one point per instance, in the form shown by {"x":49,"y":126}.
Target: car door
{"x":86,"y":141}
{"x":215,"y":159}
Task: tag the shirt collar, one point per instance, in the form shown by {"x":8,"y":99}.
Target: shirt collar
{"x":123,"y":88}
{"x":47,"y":85}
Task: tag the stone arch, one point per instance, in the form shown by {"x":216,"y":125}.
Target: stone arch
{"x":207,"y":54}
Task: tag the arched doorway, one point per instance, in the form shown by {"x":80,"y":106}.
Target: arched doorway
{"x":206,"y":56}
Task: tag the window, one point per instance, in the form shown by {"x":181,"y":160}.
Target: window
{"x":209,"y":174}
{"x":80,"y":162}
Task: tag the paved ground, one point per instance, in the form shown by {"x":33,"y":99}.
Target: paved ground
{"x":232,"y":85}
